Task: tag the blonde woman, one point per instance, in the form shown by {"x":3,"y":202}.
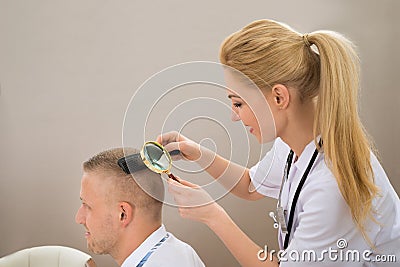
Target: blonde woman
{"x":333,"y":193}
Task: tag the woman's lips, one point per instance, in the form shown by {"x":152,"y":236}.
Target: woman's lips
{"x":251,"y":130}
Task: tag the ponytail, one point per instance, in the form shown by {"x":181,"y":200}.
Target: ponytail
{"x":346,"y":146}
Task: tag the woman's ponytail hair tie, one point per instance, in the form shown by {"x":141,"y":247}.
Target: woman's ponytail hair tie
{"x":305,"y":40}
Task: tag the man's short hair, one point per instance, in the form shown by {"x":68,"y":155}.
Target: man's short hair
{"x":143,"y":188}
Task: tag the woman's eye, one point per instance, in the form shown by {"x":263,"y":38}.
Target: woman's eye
{"x":237,"y":105}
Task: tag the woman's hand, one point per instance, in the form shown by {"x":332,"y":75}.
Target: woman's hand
{"x":189,"y":149}
{"x":194,"y":202}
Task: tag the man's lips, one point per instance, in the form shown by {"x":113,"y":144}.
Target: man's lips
{"x":87,"y":233}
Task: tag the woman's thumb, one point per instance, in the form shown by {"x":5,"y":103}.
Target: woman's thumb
{"x":187,"y":183}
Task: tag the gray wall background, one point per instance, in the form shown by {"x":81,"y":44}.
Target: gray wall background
{"x":69,"y":68}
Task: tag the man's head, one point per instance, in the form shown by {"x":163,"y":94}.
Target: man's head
{"x":113,"y":203}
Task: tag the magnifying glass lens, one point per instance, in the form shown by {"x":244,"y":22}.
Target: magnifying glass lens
{"x":156,"y":156}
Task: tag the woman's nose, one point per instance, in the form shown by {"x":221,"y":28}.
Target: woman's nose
{"x":234,"y":116}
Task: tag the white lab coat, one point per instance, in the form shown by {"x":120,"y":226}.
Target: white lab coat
{"x":322,"y":219}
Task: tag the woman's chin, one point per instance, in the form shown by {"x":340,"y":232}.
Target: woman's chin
{"x":265,"y":139}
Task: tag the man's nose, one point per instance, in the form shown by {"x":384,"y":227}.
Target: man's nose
{"x":234,"y":116}
{"x":79,"y":216}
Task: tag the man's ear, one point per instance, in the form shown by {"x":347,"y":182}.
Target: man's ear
{"x":126,"y":213}
{"x":281,"y":96}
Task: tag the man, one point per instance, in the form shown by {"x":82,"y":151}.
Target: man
{"x":123,"y":219}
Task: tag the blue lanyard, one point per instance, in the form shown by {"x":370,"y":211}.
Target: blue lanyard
{"x":147,"y":256}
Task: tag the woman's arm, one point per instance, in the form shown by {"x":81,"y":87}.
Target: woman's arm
{"x":239,"y":244}
{"x":232,"y":176}
{"x":214,"y":216}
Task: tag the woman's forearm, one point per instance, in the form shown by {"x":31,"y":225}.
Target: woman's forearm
{"x":232,"y":176}
{"x":239,"y":244}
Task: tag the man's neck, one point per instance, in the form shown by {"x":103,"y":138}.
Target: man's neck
{"x":132,"y":238}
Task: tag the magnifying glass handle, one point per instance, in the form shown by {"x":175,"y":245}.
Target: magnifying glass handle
{"x":170,"y":175}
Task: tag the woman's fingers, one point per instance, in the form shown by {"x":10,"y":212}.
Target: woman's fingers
{"x":169,"y":137}
{"x":180,"y":188}
{"x":188,"y":184}
{"x":171,"y":141}
{"x":189,"y":150}
{"x":187,"y":194}
{"x":173,"y":146}
{"x":175,"y":188}
{"x":193,"y":202}
{"x":165,"y":138}
{"x":183,"y":183}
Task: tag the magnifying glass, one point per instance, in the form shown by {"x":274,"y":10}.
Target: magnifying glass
{"x":152,"y":156}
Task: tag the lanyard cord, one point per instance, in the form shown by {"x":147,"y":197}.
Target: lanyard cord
{"x":146,"y":257}
{"x":285,"y":175}
{"x":297,"y":193}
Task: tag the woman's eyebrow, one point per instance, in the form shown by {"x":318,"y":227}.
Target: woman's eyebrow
{"x":230,"y":96}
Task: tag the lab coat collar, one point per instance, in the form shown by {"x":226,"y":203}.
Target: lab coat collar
{"x":305,"y":157}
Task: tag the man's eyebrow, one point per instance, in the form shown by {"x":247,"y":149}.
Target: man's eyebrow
{"x":230,"y":96}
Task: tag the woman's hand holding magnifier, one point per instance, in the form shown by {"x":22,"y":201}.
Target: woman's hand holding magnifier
{"x":189,"y":149}
{"x":194,"y":202}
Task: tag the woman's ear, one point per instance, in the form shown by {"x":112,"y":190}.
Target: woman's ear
{"x":281,"y":96}
{"x":126,"y":213}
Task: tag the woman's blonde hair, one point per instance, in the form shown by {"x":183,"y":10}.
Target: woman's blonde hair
{"x":271,"y":53}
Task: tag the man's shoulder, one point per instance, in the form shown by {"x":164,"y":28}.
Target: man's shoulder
{"x":174,"y":242}
{"x":175,"y":252}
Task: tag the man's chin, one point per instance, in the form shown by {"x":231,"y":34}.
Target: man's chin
{"x":95,"y":250}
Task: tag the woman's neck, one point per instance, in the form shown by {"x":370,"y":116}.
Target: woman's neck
{"x":297,"y":143}
{"x":299,"y":131}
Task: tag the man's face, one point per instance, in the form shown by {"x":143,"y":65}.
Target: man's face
{"x":96,"y":214}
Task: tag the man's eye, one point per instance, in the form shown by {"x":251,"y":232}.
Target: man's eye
{"x":237,"y":105}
